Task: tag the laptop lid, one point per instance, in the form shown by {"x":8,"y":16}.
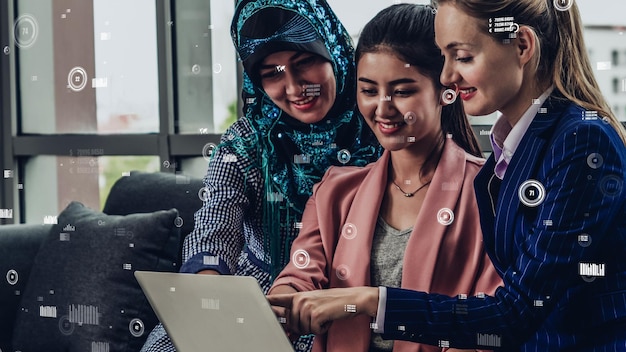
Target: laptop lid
{"x":219,"y":313}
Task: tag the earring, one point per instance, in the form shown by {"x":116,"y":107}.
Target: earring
{"x":449,"y":95}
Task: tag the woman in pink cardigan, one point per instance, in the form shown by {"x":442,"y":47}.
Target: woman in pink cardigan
{"x":408,"y":220}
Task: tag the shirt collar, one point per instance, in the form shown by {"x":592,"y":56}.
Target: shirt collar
{"x":506,"y":138}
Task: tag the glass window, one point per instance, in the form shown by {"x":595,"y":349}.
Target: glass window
{"x":102,"y":67}
{"x":87,"y":66}
{"x":206,"y":66}
{"x":126,"y":80}
{"x":86,"y":179}
{"x":607,"y":43}
{"x":92,"y":67}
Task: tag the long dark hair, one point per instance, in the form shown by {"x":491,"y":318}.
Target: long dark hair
{"x":407,"y":30}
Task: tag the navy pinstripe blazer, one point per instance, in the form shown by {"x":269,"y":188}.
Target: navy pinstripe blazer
{"x":563,"y":261}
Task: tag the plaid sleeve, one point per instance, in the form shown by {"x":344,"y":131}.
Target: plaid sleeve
{"x":232,"y":187}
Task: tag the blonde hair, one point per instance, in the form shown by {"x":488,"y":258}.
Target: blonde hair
{"x":561,"y":58}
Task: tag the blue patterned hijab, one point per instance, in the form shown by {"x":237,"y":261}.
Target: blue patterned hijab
{"x":292,"y":155}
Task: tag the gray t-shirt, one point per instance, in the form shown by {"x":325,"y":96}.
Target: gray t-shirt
{"x":388,"y":248}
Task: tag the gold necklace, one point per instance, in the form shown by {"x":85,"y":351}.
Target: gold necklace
{"x":410,"y":194}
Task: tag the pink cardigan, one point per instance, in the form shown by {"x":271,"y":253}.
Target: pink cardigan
{"x":334,"y":245}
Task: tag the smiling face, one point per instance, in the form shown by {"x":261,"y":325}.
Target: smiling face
{"x":489,"y":74}
{"x":301,"y":84}
{"x":400,"y":104}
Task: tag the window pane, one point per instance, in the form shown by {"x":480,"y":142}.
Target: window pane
{"x":87,"y":66}
{"x":126,"y":66}
{"x":51,"y":182}
{"x":206,"y":66}
{"x":607,"y":67}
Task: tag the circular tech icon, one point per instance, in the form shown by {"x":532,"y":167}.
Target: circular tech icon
{"x":65,"y":326}
{"x":203,"y":194}
{"x":611,"y":185}
{"x":136,"y":327}
{"x":584,"y":240}
{"x":595,"y":160}
{"x":25,"y":31}
{"x":410,"y":117}
{"x":349,"y":231}
{"x":588,"y":278}
{"x":77,"y":79}
{"x":449,"y":96}
{"x":301,"y":259}
{"x":445,"y":216}
{"x":531,"y":193}
{"x":563,"y":5}
{"x":343,"y":272}
{"x":344,"y":156}
{"x":207,"y":150}
{"x":12,"y":277}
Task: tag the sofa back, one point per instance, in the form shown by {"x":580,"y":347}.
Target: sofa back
{"x":18,"y":246}
{"x":144,"y":192}
{"x":140,"y":192}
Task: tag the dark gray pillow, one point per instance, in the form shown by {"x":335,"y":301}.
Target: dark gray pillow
{"x":19,"y":244}
{"x":145,"y":192}
{"x":82,"y":294}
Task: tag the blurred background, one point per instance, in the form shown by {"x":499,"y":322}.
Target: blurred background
{"x":92,"y":89}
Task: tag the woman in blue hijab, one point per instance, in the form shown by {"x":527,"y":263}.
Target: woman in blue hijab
{"x":299,"y":118}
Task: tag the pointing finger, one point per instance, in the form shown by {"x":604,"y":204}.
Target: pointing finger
{"x":281,"y":300}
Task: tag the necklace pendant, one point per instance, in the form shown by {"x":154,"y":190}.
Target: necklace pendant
{"x":407,"y":194}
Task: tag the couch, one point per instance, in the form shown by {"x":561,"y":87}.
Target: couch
{"x":70,"y":286}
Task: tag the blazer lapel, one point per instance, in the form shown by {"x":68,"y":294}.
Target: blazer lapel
{"x":523,"y":167}
{"x":487,"y":202}
{"x":434,"y":217}
{"x":351,"y":261}
{"x":430,"y":226}
{"x":350,"y":265}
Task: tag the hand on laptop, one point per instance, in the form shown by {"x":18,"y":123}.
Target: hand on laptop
{"x":312,"y":312}
{"x":282,"y":313}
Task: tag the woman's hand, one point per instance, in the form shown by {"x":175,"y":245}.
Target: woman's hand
{"x":312,"y":312}
{"x":282,"y":313}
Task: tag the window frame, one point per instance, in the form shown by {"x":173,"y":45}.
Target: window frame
{"x":167,"y":144}
{"x":18,"y":147}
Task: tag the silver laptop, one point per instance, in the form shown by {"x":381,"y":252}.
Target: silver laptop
{"x":213,"y":312}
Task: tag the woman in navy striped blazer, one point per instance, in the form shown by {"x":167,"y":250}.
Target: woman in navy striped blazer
{"x":551,"y":196}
